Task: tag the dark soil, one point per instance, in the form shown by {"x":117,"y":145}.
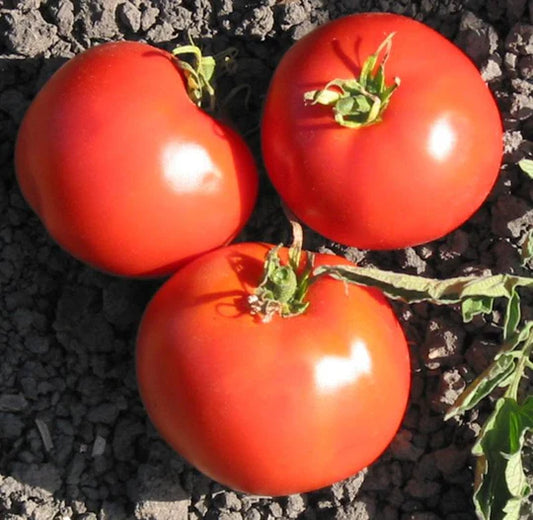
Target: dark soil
{"x":75,"y":442}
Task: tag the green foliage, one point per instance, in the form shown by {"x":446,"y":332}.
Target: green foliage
{"x":500,"y":482}
{"x":526,"y":165}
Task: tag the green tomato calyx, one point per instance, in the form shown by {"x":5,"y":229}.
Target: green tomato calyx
{"x":198,"y":75}
{"x":199,"y":72}
{"x":359,"y":102}
{"x":283,"y":288}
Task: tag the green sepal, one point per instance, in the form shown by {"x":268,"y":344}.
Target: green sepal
{"x":359,"y":102}
{"x":283,"y":288}
{"x":279,"y":281}
{"x":199,"y":75}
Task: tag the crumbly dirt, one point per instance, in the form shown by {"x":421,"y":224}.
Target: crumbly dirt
{"x":75,"y":442}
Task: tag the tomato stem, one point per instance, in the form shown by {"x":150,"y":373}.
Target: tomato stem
{"x":284,"y":287}
{"x":297,"y":234}
{"x":359,"y":102}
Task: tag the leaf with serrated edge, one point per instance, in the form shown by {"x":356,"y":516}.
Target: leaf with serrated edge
{"x":500,"y":480}
{"x":471,"y":307}
{"x":514,"y":475}
{"x":512,"y":508}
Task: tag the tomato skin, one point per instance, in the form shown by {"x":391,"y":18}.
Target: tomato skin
{"x":124,"y":170}
{"x":271,"y":408}
{"x":411,"y":178}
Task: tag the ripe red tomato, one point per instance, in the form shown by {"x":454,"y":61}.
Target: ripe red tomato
{"x":124,"y":170}
{"x":411,"y":178}
{"x":277,"y":407}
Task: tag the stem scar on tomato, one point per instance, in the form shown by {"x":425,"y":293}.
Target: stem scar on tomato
{"x":359,"y":102}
